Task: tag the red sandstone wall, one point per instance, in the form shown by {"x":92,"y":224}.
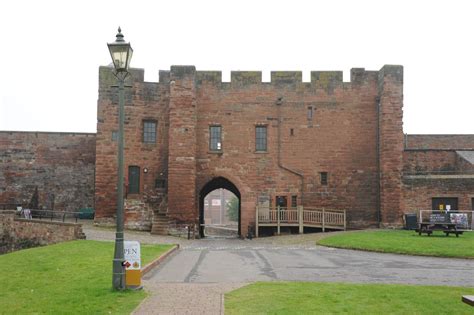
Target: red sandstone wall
{"x":61,"y":165}
{"x":434,"y":169}
{"x":340,"y":139}
{"x":391,"y":144}
{"x":428,"y":161}
{"x":144,"y":101}
{"x":436,"y":173}
{"x":182,"y":203}
{"x":453,"y":142}
{"x":419,"y":191}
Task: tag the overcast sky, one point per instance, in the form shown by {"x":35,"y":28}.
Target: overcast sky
{"x":50,"y":51}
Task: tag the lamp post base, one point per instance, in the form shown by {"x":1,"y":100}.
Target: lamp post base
{"x":118,"y":277}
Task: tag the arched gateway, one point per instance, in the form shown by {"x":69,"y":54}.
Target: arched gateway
{"x":213,"y":184}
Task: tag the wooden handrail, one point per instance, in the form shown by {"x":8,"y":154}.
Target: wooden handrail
{"x":301,"y":216}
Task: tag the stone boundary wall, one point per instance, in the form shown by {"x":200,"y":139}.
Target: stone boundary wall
{"x":439,"y":142}
{"x":61,"y":165}
{"x":17,"y":233}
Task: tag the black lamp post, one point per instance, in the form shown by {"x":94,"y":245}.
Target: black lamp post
{"x":121,"y":53}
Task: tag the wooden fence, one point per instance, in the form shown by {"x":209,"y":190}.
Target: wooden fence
{"x":301,"y":217}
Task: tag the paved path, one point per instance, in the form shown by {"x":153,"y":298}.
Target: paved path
{"x":237,"y":264}
{"x":194,"y":279}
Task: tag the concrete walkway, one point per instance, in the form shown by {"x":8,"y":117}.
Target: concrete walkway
{"x":194,"y":279}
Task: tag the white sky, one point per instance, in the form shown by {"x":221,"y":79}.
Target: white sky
{"x":50,"y":51}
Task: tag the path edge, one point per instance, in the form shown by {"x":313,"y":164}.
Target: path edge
{"x":159,"y":260}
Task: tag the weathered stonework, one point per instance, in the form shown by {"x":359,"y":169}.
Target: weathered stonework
{"x":61,"y":165}
{"x":354,"y":131}
{"x":438,"y":166}
{"x":16,"y":233}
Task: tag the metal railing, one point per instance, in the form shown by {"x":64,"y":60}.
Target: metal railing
{"x":52,"y":215}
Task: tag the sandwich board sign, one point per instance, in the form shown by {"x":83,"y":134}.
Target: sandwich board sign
{"x":133,"y":264}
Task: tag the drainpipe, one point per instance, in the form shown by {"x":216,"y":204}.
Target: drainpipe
{"x":300,"y":175}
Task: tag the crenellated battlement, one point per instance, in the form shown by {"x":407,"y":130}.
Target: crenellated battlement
{"x":326,"y":80}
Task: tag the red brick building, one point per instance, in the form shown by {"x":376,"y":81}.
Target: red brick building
{"x":322,"y":143}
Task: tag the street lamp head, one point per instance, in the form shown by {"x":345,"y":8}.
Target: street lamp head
{"x":121,"y":53}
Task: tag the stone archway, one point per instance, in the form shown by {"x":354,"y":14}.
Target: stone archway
{"x":213,"y":184}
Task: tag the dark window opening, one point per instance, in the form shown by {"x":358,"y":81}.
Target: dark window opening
{"x":292,"y":132}
{"x":310,"y":113}
{"x":294,"y":201}
{"x":324,"y":178}
{"x":133,"y":179}
{"x":261,"y":138}
{"x":149,"y":131}
{"x":160,"y":183}
{"x":215,"y":142}
{"x":445,"y":204}
{"x":114,"y":135}
{"x":281,"y":201}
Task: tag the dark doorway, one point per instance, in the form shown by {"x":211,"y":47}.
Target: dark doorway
{"x":217,"y":183}
{"x":281,"y":201}
{"x":472,"y":204}
{"x":445,"y":204}
{"x":133,"y":179}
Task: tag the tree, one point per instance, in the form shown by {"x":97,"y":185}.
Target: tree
{"x":233,"y":209}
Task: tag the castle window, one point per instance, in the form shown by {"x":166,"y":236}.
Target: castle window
{"x":114,"y":135}
{"x":294,"y":201}
{"x":133,"y":179}
{"x":281,"y":201}
{"x":261,"y":138}
{"x":149,"y":131}
{"x":324,"y":178}
{"x":160,"y":183}
{"x":310,"y":113}
{"x":215,"y":141}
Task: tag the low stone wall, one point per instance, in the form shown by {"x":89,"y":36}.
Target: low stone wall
{"x":17,"y":233}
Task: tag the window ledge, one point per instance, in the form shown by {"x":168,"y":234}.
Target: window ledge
{"x":133,"y":196}
{"x":260,"y":152}
{"x":215,"y":152}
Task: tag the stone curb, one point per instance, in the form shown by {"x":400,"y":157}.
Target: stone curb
{"x":159,"y":260}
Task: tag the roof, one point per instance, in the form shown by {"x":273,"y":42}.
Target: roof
{"x":467,"y":155}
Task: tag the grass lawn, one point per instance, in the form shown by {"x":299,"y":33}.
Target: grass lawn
{"x":66,"y":278}
{"x":405,"y":242}
{"x":337,"y":298}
